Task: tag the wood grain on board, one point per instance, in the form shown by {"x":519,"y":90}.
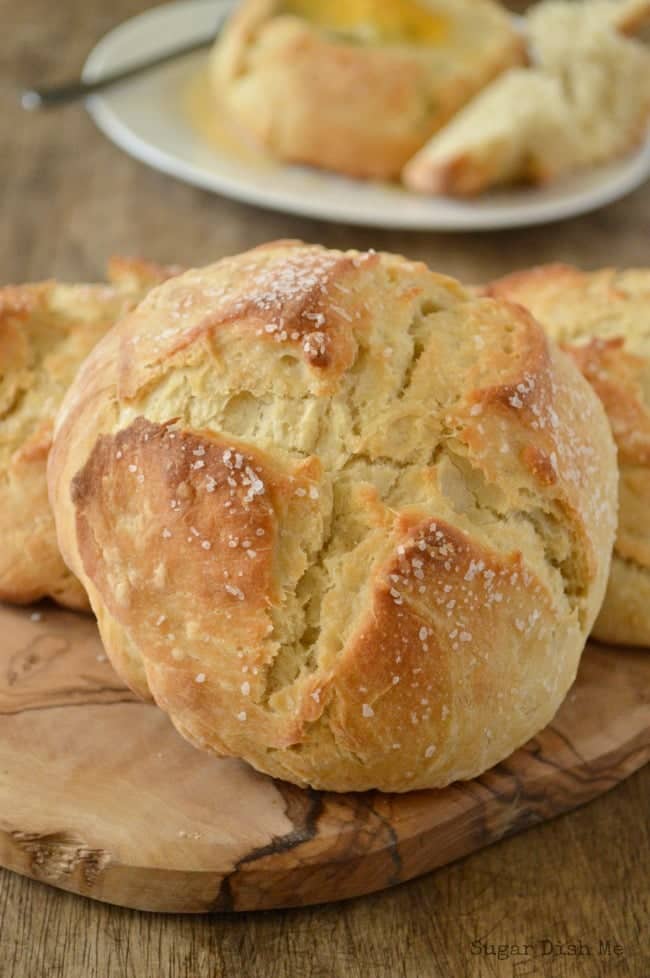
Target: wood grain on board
{"x":101,"y":796}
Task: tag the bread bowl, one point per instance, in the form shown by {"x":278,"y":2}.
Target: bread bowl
{"x":356,"y":87}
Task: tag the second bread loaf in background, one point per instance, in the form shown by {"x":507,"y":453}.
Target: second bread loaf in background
{"x":46,"y":330}
{"x":603,"y":319}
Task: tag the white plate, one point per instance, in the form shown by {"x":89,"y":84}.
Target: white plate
{"x":148,"y":119}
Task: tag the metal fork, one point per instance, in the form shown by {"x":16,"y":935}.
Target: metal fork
{"x":51,"y":96}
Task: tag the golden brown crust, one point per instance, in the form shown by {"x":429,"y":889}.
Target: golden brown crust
{"x":602,"y":319}
{"x":633,"y":17}
{"x":337,"y":516}
{"x":462,"y":176}
{"x":615,"y":376}
{"x":311,"y":96}
{"x":45,"y":331}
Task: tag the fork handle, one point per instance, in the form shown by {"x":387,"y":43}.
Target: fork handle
{"x":46,"y":98}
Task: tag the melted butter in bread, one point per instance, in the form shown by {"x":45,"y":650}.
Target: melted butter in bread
{"x":207,"y":119}
{"x":401,"y":21}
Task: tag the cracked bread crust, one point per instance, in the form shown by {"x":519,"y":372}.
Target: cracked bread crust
{"x":313,"y":95}
{"x":603,"y":320}
{"x":337,"y":516}
{"x":46,"y":330}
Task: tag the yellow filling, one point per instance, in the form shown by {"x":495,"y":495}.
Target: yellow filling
{"x":380,"y":21}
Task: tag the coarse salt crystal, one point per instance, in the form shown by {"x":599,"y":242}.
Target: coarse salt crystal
{"x":235,"y":591}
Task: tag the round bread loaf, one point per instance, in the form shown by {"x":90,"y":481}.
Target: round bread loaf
{"x":356,"y":86}
{"x":603,"y":320}
{"x":46,"y":330}
{"x":337,"y":516}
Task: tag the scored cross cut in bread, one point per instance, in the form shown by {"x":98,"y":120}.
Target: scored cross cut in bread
{"x":46,"y":330}
{"x":359,"y":86}
{"x":603,"y":319}
{"x":338,"y":516}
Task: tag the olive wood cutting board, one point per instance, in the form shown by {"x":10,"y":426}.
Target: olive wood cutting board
{"x":100,"y":795}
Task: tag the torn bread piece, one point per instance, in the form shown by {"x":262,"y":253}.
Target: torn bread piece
{"x":517,"y":129}
{"x":625,"y":16}
{"x":586,"y":100}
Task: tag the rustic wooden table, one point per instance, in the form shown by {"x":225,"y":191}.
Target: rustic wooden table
{"x":68,"y":200}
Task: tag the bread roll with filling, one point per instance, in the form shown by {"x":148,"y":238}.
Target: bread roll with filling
{"x":356,"y":86}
